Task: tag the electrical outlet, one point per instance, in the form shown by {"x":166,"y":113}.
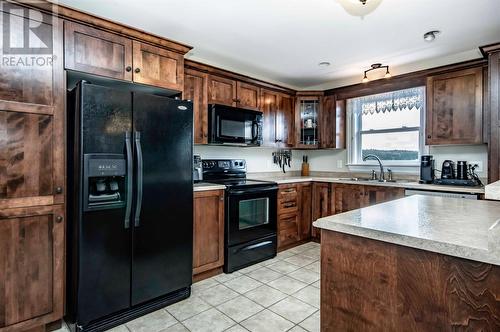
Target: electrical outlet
{"x":340,"y":164}
{"x":479,"y":165}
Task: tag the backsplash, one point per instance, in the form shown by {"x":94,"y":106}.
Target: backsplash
{"x":259,"y":160}
{"x":468,"y":153}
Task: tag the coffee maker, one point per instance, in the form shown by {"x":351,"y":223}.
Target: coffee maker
{"x":426,"y":169}
{"x":197,"y":168}
{"x":448,"y":170}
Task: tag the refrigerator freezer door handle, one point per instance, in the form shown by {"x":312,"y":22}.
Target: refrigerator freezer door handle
{"x":128,"y":209}
{"x":139,"y":178}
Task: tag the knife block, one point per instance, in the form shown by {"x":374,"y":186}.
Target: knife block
{"x":305,"y":169}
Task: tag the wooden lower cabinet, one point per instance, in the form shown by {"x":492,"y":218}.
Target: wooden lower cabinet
{"x":294,"y":214}
{"x":305,"y":210}
{"x":208,"y":244}
{"x":333,"y":198}
{"x":379,"y":194}
{"x":370,"y":285}
{"x":322,"y":204}
{"x":288,"y":215}
{"x":31,"y":266}
{"x":347,"y":197}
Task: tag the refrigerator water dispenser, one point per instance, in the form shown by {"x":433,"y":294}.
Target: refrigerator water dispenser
{"x":104,"y":181}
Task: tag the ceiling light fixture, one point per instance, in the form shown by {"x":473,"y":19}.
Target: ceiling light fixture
{"x":324,"y":64}
{"x":431,"y":35}
{"x":374,"y":67}
{"x":359,"y":8}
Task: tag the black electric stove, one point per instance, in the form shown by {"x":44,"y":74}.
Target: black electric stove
{"x":250,"y":213}
{"x":230,"y":172}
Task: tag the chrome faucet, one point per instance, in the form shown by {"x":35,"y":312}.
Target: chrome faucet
{"x":382,"y":175}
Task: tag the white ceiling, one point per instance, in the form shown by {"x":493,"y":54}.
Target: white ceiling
{"x":284,"y":40}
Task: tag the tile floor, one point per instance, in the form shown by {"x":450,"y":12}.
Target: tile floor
{"x":280,"y":294}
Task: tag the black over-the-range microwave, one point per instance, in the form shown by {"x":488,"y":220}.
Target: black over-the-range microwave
{"x":234,"y":126}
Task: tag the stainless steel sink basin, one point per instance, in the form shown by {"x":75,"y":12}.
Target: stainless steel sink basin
{"x":374,"y":181}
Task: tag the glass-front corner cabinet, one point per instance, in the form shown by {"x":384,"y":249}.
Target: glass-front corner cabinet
{"x":307,"y":121}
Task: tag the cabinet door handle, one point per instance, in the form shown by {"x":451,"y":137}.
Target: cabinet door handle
{"x":59,"y":219}
{"x":429,"y":136}
{"x":59,"y":190}
{"x":289,"y":205}
{"x":137,"y":70}
{"x":128,"y":68}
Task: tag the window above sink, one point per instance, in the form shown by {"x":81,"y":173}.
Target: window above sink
{"x":389,"y":125}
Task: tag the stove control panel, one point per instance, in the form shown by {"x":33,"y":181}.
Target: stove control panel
{"x":224,"y":164}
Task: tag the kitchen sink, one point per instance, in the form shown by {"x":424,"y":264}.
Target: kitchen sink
{"x":374,"y":181}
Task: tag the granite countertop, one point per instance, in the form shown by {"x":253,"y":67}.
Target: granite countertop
{"x":402,"y":184}
{"x":205,"y":186}
{"x":408,"y":184}
{"x":457,"y":227}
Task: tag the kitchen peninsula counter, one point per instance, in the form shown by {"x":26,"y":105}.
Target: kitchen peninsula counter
{"x":418,"y":263}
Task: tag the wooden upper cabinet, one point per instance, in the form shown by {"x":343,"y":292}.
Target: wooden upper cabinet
{"x":195,"y":89}
{"x":327,"y":125}
{"x":455,"y":107}
{"x":157,"y":66}
{"x":331,"y":123}
{"x":308,"y":123}
{"x":269,"y":107}
{"x":208,"y":245}
{"x":285,"y":133}
{"x":32,"y":146}
{"x":31,"y":266}
{"x":491,"y":115}
{"x":97,"y":52}
{"x":221,"y":91}
{"x":248,"y":96}
{"x":32,"y":88}
{"x":340,"y":124}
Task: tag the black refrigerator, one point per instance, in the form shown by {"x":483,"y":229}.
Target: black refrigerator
{"x":130,"y":203}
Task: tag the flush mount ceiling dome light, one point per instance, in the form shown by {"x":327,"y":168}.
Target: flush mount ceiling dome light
{"x":431,"y":35}
{"x":359,"y":8}
{"x":374,"y":67}
{"x":324,"y":64}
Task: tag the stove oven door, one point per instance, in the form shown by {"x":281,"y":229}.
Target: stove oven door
{"x":251,"y":214}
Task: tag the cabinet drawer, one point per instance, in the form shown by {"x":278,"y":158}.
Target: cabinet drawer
{"x":287,"y":199}
{"x":287,"y":205}
{"x":287,"y":189}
